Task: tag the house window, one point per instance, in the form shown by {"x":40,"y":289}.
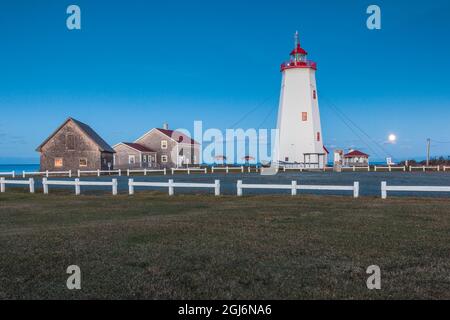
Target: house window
{"x":83,"y":162}
{"x":164,"y":159}
{"x":70,"y":142}
{"x":144,"y":158}
{"x":58,"y":162}
{"x":163,"y":144}
{"x":131,"y":159}
{"x":304,"y":116}
{"x":318,"y":136}
{"x":314,"y":94}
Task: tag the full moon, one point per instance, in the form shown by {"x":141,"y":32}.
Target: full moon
{"x":392,"y":138}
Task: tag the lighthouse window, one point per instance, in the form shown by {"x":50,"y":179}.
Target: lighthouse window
{"x":314,"y":94}
{"x":318,"y":136}
{"x":304,"y":116}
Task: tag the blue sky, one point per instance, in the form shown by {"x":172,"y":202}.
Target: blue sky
{"x":136,"y":64}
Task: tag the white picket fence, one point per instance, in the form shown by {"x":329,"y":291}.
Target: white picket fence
{"x":47,"y":173}
{"x":6,"y":174}
{"x":389,"y":168}
{"x":4,"y":182}
{"x":146,"y":171}
{"x":424,"y":168}
{"x":172,"y":185}
{"x":294,"y":187}
{"x":355,"y":168}
{"x":227,"y":169}
{"x":77,"y":184}
{"x":445,"y":168}
{"x":189,"y":170}
{"x":98,"y":173}
{"x":385,"y":188}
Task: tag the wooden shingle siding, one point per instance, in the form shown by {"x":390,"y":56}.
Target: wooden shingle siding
{"x":70,"y":143}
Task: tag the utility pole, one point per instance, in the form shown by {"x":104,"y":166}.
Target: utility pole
{"x":428,"y":151}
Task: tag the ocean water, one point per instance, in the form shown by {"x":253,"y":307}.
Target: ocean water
{"x":19,"y":167}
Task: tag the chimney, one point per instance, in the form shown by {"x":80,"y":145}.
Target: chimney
{"x":165,"y":126}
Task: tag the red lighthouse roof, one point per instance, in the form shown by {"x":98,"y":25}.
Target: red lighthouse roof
{"x":298,"y":58}
{"x":298,"y":50}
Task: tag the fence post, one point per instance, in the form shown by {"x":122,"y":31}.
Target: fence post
{"x":165,"y":171}
{"x":145,"y":171}
{"x":356,"y":189}
{"x":77,"y":186}
{"x":79,"y":173}
{"x":31,"y":185}
{"x":189,"y":170}
{"x":120,"y":172}
{"x":23,"y":174}
{"x":242,"y":169}
{"x":206,"y":170}
{"x":404,"y":168}
{"x":423,"y":168}
{"x":294,"y":188}
{"x":171,"y":187}
{"x":383,"y":190}
{"x":45,"y":185}
{"x":217,"y":187}
{"x":172,"y":171}
{"x":70,"y":173}
{"x":130,"y":186}
{"x":46,"y":173}
{"x":2,"y":184}
{"x":239,"y":188}
{"x":114,"y":187}
{"x":98,"y":172}
{"x":212,"y":169}
{"x":227,"y":169}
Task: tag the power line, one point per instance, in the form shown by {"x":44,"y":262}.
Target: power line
{"x":338,"y":111}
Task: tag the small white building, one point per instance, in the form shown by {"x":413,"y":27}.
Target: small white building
{"x":356,"y":158}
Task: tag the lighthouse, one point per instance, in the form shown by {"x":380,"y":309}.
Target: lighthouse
{"x":299,"y":129}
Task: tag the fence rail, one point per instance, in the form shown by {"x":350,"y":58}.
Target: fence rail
{"x":189,"y":170}
{"x":4,"y":182}
{"x":145,"y":171}
{"x":356,"y":168}
{"x":98,"y":172}
{"x":172,"y":185}
{"x":294,"y":187}
{"x":424,"y":168}
{"x":11,"y":173}
{"x":46,"y":173}
{"x":228,"y":169}
{"x":77,"y":184}
{"x":389,"y":168}
{"x":385,"y":188}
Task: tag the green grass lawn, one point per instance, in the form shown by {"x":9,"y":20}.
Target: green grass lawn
{"x":150,"y":246}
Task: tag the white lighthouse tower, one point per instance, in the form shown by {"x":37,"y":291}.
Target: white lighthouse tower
{"x":299,"y":130}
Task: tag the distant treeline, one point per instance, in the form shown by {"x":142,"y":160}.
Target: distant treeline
{"x":437,"y":161}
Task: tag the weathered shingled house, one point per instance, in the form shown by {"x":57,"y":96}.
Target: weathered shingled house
{"x":75,"y":146}
{"x":167,"y":148}
{"x":133,"y":156}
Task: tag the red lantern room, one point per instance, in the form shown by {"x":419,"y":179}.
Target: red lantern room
{"x":298,"y":58}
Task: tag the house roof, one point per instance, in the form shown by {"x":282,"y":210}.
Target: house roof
{"x":355,"y":153}
{"x":102,"y":144}
{"x":138,"y":147}
{"x":177,"y":136}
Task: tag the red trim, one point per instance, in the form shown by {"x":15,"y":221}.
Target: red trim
{"x":298,"y":65}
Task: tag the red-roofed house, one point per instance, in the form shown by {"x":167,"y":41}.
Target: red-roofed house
{"x":356,"y":158}
{"x":134,"y":155}
{"x":168,"y":148}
